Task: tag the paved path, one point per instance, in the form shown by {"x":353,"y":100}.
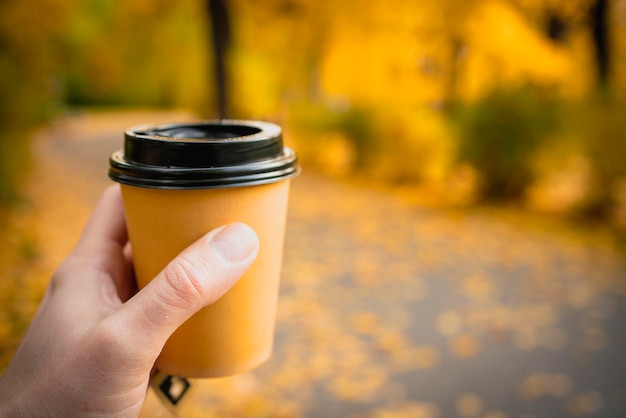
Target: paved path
{"x":389,"y":309}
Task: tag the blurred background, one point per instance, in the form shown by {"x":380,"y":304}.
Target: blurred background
{"x":513,"y":100}
{"x":464,"y":195}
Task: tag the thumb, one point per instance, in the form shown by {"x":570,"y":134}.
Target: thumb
{"x":197,"y":277}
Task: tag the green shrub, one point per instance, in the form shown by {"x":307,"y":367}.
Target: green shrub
{"x":601,"y":121}
{"x":318,"y":121}
{"x":500,"y":133}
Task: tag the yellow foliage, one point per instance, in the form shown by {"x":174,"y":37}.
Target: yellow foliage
{"x":379,"y":58}
{"x":411,"y":145}
{"x":254,"y":93}
{"x":505,"y":50}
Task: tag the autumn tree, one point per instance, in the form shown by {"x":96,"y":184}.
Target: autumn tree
{"x":31,"y":56}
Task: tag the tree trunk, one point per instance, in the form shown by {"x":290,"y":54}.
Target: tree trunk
{"x":556,"y":28}
{"x":600,"y":38}
{"x":221,"y":38}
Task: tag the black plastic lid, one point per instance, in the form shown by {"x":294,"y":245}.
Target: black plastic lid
{"x":208,"y":154}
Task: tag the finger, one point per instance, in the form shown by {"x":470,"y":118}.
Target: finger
{"x":127,"y":288}
{"x":99,"y":254}
{"x":106,"y":227}
{"x":200,"y":275}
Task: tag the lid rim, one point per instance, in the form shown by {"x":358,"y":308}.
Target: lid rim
{"x":204,"y":183}
{"x":142,"y":175}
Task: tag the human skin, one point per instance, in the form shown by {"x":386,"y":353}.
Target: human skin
{"x":91,"y":346}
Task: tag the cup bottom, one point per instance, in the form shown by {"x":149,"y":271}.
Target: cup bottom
{"x":215,"y":371}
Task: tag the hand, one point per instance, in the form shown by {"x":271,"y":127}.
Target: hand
{"x":92,"y":344}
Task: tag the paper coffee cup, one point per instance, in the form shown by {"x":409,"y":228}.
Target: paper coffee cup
{"x":178,"y":183}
